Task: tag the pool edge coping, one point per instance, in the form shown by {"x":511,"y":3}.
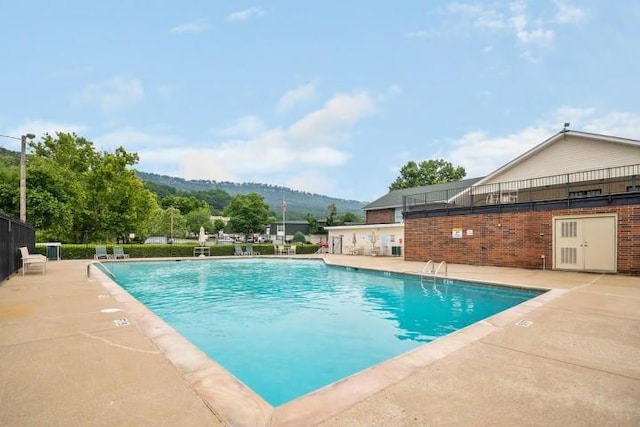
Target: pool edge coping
{"x":236,"y":404}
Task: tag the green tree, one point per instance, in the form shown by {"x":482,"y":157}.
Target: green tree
{"x":168,"y":222}
{"x":75,"y":194}
{"x":217,"y":199}
{"x":248,"y":213}
{"x":9,"y":185}
{"x":185,"y":204}
{"x":200,"y":217}
{"x":314,"y":227}
{"x":218,"y":225}
{"x":299,"y":237}
{"x":427,"y":172}
{"x":350,"y":217}
{"x":331,"y":218}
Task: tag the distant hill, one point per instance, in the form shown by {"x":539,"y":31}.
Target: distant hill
{"x":11,"y":158}
{"x":299,"y":203}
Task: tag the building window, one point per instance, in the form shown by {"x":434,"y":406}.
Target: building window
{"x":398,"y":215}
{"x":501,"y":198}
{"x":585,"y":193}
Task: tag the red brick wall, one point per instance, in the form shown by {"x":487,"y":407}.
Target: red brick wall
{"x":381,"y":216}
{"x":515,"y":239}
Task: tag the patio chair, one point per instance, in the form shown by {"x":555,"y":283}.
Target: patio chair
{"x":101,"y":253}
{"x":250,"y":251}
{"x":118,"y":253}
{"x":291,"y":250}
{"x":279,"y":250}
{"x":36,"y":260}
{"x":238,"y":250}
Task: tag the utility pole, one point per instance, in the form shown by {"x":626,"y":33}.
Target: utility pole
{"x":23,"y":173}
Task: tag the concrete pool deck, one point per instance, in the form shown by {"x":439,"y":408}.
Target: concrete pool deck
{"x":65,"y":362}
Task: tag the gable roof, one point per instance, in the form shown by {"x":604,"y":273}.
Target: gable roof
{"x":394,"y":198}
{"x":552,"y":140}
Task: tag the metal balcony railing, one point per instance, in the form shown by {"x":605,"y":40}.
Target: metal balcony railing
{"x":571,"y":186}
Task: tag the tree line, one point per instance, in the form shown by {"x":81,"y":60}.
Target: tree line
{"x":76,"y":194}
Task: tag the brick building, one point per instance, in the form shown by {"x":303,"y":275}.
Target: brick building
{"x":570,"y":203}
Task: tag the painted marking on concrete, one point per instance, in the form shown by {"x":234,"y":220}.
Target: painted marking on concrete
{"x":103,"y":296}
{"x":524,"y":323}
{"x":121,"y":322}
{"x":109,"y":310}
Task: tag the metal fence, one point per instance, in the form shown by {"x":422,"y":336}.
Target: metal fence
{"x":13,"y":235}
{"x":571,"y":186}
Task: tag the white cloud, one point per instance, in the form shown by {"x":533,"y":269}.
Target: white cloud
{"x":39,"y":128}
{"x":296,"y":96}
{"x":111,"y":95}
{"x":190,"y":27}
{"x":575,"y":115}
{"x":480,"y":15}
{"x":312,"y":182}
{"x":481,"y":154}
{"x":159,"y":150}
{"x":568,"y":14}
{"x":514,"y":19}
{"x":339,"y":111}
{"x":308,"y":145}
{"x":246,"y":14}
{"x":520,"y":23}
{"x":622,"y":124}
{"x":138,"y":140}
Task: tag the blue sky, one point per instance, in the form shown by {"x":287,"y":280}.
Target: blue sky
{"x":329,"y":97}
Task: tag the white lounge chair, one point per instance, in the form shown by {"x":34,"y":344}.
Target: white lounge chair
{"x":35,"y":260}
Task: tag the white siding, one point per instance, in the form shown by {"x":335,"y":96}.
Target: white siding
{"x":571,"y":154}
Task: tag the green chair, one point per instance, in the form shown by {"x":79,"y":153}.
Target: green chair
{"x":101,"y":253}
{"x":118,"y":253}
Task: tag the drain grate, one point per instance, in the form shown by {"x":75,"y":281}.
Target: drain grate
{"x":121,"y":322}
{"x":524,"y":323}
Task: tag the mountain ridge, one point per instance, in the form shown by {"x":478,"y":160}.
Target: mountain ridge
{"x":299,"y":203}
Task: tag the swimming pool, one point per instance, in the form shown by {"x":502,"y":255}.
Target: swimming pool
{"x":288,"y":327}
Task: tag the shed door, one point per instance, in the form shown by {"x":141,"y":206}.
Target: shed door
{"x":585,"y":244}
{"x":336,"y":245}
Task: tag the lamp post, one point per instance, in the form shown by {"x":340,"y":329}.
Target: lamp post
{"x":23,"y":173}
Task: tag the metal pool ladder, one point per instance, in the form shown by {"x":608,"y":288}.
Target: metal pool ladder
{"x":104,"y":267}
{"x":430,"y":270}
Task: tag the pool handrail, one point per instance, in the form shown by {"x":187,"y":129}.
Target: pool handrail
{"x":105,"y":269}
{"x":430,"y":270}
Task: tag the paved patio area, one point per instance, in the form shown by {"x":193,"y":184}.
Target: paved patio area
{"x":65,"y":362}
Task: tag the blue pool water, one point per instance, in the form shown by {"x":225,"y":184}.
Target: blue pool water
{"x":288,"y":327}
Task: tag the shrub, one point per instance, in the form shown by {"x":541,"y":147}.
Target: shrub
{"x":74,"y":251}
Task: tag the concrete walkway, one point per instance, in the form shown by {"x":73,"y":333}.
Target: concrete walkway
{"x":64,"y":361}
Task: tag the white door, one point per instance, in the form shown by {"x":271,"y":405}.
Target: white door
{"x":336,"y":245}
{"x":585,"y":243}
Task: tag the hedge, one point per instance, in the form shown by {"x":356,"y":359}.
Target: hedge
{"x":71,"y":251}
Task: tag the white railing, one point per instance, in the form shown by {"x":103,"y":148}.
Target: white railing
{"x":105,"y":269}
{"x":430,"y":270}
